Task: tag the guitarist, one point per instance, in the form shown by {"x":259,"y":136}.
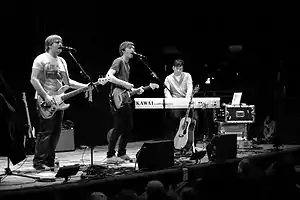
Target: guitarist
{"x":122,"y":116}
{"x":180,"y":85}
{"x":49,"y":73}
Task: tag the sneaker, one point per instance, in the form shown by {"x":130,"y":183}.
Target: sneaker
{"x":125,"y":157}
{"x":41,"y":167}
{"x":114,"y":160}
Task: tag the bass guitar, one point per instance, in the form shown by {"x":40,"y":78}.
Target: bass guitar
{"x":29,"y":142}
{"x":123,"y":96}
{"x":47,"y":111}
{"x":184,"y":137}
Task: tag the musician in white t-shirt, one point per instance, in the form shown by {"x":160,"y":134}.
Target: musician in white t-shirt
{"x":180,"y":85}
{"x":49,"y":74}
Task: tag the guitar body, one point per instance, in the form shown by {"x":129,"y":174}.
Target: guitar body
{"x":121,"y":97}
{"x":182,"y":136}
{"x":30,"y":142}
{"x":47,"y":111}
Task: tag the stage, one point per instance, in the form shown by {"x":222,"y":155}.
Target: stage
{"x":83,"y":158}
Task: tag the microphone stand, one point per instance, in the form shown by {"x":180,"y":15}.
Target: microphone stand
{"x":83,"y":72}
{"x":153,"y":74}
{"x":93,"y":85}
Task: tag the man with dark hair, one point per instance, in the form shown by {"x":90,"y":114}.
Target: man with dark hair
{"x":118,"y":75}
{"x":180,"y":85}
{"x":49,"y":74}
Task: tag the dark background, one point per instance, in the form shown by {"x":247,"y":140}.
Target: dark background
{"x":264,"y":69}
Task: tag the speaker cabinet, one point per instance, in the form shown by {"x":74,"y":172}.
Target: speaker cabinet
{"x":223,"y":147}
{"x":156,"y":155}
{"x":66,"y":141}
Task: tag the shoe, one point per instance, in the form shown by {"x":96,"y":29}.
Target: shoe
{"x":114,"y":160}
{"x":125,"y":157}
{"x":41,"y":167}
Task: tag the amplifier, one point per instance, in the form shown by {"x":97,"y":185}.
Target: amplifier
{"x":239,"y":113}
{"x":240,"y":129}
{"x":66,"y":141}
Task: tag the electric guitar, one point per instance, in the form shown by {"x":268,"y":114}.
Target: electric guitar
{"x":29,"y":141}
{"x":47,"y":111}
{"x":123,"y":96}
{"x":185,"y":135}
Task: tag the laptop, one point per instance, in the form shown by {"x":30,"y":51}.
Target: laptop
{"x":236,"y":99}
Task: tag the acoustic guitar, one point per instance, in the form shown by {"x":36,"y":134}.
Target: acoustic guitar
{"x":121,"y":97}
{"x":29,"y":141}
{"x":184,"y":137}
{"x":47,"y":111}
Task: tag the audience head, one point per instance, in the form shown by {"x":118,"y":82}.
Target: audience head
{"x":155,"y":190}
{"x":126,"y":194}
{"x":97,"y":196}
{"x":188,"y":193}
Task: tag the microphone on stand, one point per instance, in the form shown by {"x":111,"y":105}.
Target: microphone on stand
{"x":65,"y":48}
{"x":137,"y":54}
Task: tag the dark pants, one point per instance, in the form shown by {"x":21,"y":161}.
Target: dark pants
{"x":174,"y":117}
{"x":123,"y":125}
{"x":47,"y":138}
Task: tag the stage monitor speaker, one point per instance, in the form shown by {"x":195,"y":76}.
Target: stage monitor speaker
{"x":225,"y":147}
{"x":67,"y":171}
{"x":155,"y":155}
{"x":66,"y":141}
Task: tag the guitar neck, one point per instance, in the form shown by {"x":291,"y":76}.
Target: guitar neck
{"x":190,"y":103}
{"x":75,"y":92}
{"x":189,"y":107}
{"x":27,"y":114}
{"x":136,"y":91}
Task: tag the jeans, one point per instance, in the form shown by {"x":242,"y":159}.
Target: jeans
{"x":47,"y":138}
{"x":123,"y":126}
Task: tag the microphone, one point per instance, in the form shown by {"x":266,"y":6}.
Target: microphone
{"x":137,"y":54}
{"x":68,"y":48}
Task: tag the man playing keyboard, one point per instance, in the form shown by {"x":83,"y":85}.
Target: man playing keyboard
{"x":180,"y":85}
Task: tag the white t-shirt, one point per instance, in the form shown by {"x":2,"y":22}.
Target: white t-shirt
{"x":53,"y":71}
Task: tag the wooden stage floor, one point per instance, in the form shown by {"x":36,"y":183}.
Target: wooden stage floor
{"x":83,"y":158}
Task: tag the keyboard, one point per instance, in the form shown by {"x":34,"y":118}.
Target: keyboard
{"x":176,"y":103}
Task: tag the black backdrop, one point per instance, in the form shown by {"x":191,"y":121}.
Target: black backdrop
{"x":269,"y":45}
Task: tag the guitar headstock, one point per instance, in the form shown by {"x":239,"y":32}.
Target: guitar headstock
{"x":154,"y":86}
{"x":196,"y":89}
{"x":103,"y":80}
{"x":24,"y":96}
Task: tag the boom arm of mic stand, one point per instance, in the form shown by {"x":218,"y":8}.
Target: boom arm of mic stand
{"x":83,"y":72}
{"x":161,"y":83}
{"x":155,"y":76}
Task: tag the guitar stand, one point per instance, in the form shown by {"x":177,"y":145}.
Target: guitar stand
{"x":8,"y":172}
{"x":198,"y":155}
